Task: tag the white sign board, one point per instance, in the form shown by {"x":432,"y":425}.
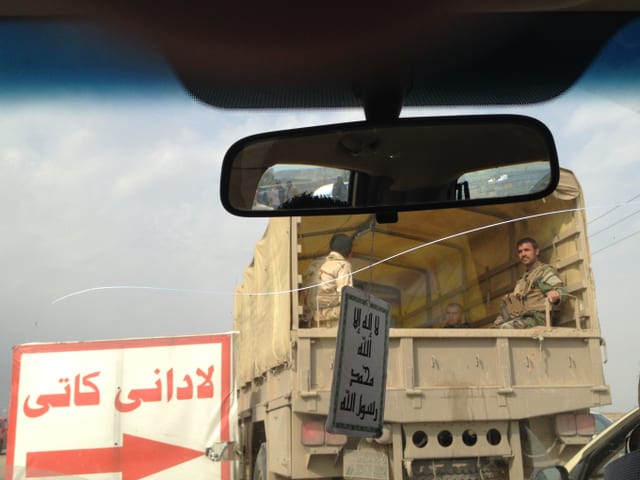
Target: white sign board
{"x":123,"y":409}
{"x":360,"y":368}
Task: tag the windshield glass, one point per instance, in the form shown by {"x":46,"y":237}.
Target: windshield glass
{"x":112,"y":227}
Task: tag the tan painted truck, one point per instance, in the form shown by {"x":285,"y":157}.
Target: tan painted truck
{"x":464,"y":403}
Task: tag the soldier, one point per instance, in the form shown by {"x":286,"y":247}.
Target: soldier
{"x":291,"y":191}
{"x":326,"y":276}
{"x":454,"y":316}
{"x":525,"y":307}
{"x":339,"y":190}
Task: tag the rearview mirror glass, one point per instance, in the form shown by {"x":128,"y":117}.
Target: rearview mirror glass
{"x":412,"y":164}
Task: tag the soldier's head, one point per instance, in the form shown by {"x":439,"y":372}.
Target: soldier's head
{"x":528,"y":251}
{"x":453,"y":314}
{"x":342,"y":244}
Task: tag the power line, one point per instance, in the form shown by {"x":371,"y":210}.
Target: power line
{"x":615,"y":223}
{"x":616,"y":242}
{"x":612,"y":209}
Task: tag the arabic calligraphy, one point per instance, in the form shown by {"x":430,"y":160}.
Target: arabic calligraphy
{"x":361,"y":378}
{"x":370,"y":322}
{"x":364,"y":350}
{"x":85,"y":392}
{"x":359,"y":398}
{"x":360,"y":370}
{"x":348,"y":404}
{"x":138,"y":396}
{"x":367,"y":325}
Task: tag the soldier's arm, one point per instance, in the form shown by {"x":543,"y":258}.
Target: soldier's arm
{"x":344,"y":277}
{"x":549,"y":281}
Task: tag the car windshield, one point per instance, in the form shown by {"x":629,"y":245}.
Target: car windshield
{"x":112,"y":228}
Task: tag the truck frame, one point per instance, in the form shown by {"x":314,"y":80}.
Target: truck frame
{"x":471,"y":403}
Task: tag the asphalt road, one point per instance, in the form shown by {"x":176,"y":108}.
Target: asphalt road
{"x":2,"y":460}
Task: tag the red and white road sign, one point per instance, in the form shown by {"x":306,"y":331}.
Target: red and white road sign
{"x":130,"y":409}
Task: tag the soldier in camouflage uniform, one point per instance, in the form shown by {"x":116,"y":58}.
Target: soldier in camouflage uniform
{"x":326,"y":276}
{"x":525,"y":307}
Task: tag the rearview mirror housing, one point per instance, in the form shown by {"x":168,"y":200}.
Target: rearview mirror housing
{"x":410,"y":164}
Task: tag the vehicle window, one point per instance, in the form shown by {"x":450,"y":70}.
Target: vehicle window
{"x":113,"y":187}
{"x":112,"y":228}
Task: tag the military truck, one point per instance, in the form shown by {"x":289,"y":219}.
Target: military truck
{"x":461,"y":403}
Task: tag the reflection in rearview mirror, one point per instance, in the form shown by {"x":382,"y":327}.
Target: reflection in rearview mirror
{"x":282,"y":186}
{"x":412,"y":164}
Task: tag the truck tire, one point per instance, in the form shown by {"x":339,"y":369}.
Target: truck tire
{"x":260,"y":465}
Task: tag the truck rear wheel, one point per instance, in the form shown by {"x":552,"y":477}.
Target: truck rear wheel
{"x":260,"y":465}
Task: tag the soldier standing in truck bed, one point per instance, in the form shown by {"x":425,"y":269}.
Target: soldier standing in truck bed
{"x":326,"y":276}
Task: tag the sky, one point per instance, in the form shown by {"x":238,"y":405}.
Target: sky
{"x":123,"y":192}
{"x":598,"y":141}
{"x":90,"y":200}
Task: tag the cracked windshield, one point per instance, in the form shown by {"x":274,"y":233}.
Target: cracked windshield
{"x":147,"y":332}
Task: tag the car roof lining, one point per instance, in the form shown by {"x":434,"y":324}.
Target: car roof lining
{"x":523,"y":59}
{"x":355,"y":54}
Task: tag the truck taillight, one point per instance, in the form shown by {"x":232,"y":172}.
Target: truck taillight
{"x":313,"y":434}
{"x":566,"y":425}
{"x":570,"y":424}
{"x":586,"y":424}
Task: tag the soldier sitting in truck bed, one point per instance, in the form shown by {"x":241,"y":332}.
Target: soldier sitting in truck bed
{"x":454,"y":316}
{"x":324,"y":280}
{"x":526,"y":306}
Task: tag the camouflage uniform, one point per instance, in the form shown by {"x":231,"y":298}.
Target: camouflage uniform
{"x":322,"y":300}
{"x":525,"y":307}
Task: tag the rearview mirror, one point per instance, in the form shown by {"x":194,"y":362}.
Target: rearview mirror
{"x":411,"y":164}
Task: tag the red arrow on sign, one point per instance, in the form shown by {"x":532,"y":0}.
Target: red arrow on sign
{"x":137,"y":458}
